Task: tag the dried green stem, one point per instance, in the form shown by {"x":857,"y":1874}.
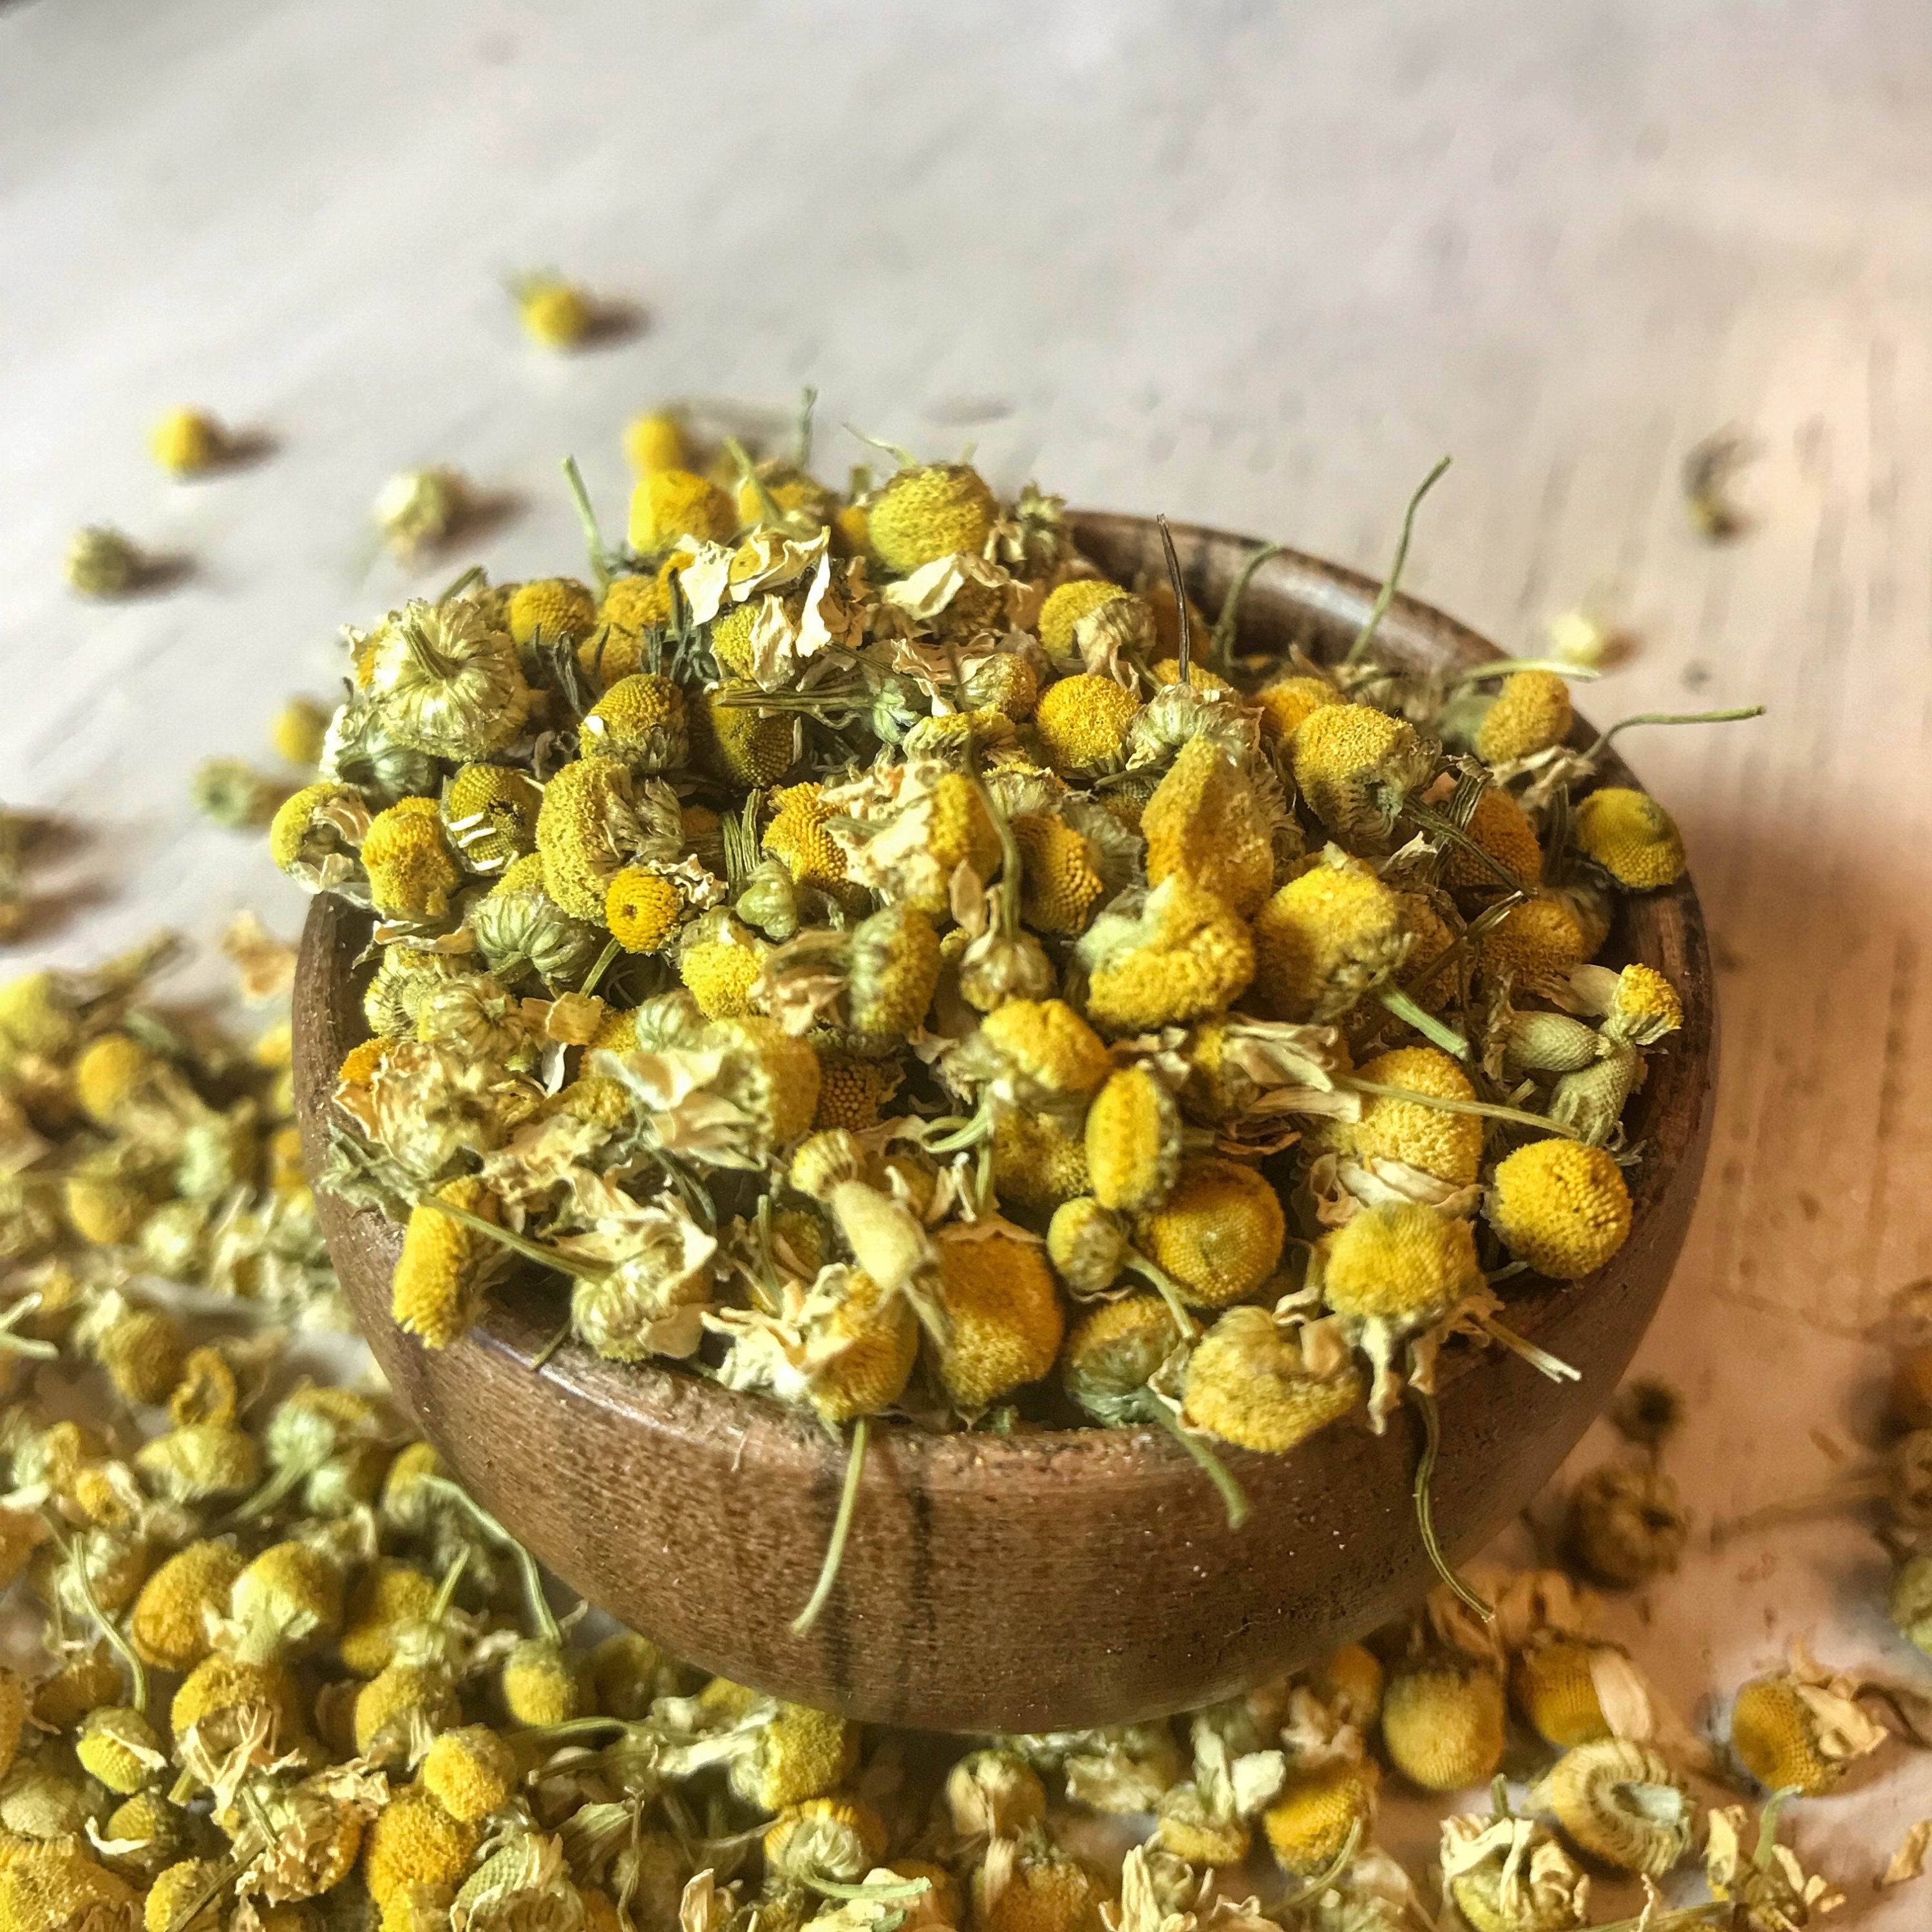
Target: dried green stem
{"x":841,"y":1527}
{"x":593,"y":538}
{"x":1488,"y":1109}
{"x":1386,"y":596}
{"x":1234,"y":1498}
{"x":1509,"y":667}
{"x":1425,"y":1507}
{"x":1673,"y":718}
{"x":1221,"y":641}
{"x":24,"y":1345}
{"x":541,"y":1615}
{"x":137,"y":1671}
{"x":1184,"y":648}
{"x":1426,"y":1023}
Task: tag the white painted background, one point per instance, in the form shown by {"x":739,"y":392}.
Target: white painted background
{"x":1251,"y":265}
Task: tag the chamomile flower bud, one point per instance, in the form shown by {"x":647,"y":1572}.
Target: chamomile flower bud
{"x":671,"y":504}
{"x":1561,"y":1207}
{"x":539,"y":1683}
{"x":770,"y":1075}
{"x":1288,"y":701}
{"x":490,"y":816}
{"x":1037,"y":1161}
{"x":1003,"y":1316}
{"x":1082,"y":720}
{"x":1626,"y":1524}
{"x":413,"y":1840}
{"x":116,"y":1080}
{"x":892,"y":971}
{"x":1220,"y":1232}
{"x":1446,"y":1145}
{"x":1078,"y":598}
{"x":642,"y":908}
{"x":1112,"y":1350}
{"x":1400,"y":1264}
{"x":1620,"y":1802}
{"x":1042,"y":1890}
{"x":657,"y":440}
{"x":1556,"y":1692}
{"x":1204,"y":821}
{"x":994,"y":1794}
{"x":388,"y":1595}
{"x":299,"y":731}
{"x":1059,"y":885}
{"x":801,"y":1754}
{"x":1631,"y":836}
{"x":1325,"y":940}
{"x":1133,"y":1142}
{"x":102,"y":562}
{"x":521,"y":931}
{"x":411,"y":872}
{"x":185,"y":441}
{"x":1186,"y":954}
{"x":1502,"y":829}
{"x":1443,"y":1720}
{"x":447,"y":683}
{"x":417,"y":509}
{"x":555,"y":313}
{"x":1248,"y":1383}
{"x":119,"y":1746}
{"x":143,"y":1351}
{"x":445,"y":1267}
{"x":1530,"y":713}
{"x":316,"y":833}
{"x":1354,"y":765}
{"x":640,"y":719}
{"x":928,"y":510}
{"x":1087,"y":1245}
{"x":836,"y":1838}
{"x":156,"y":1832}
{"x":1320,"y":1808}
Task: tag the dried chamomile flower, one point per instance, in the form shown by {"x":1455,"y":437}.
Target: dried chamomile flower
{"x":1004,"y":1320}
{"x":994,"y":1794}
{"x":669,"y":505}
{"x":1798,"y":1730}
{"x":1553,"y":1681}
{"x":361,"y":754}
{"x":490,"y":816}
{"x":523,"y":935}
{"x":1133,"y":1141}
{"x":641,"y":720}
{"x":1626,"y":1524}
{"x":1327,"y":939}
{"x":1631,"y":837}
{"x":1560,"y":1206}
{"x":1203,"y":821}
{"x":734,"y":740}
{"x":926,"y":512}
{"x":1182,"y":954}
{"x":299,"y":731}
{"x":446,"y":1266}
{"x":448,"y":682}
{"x":418,"y":509}
{"x":1502,"y":828}
{"x":1082,"y":721}
{"x":1286,"y":702}
{"x":1620,"y":1802}
{"x":1443,"y":1720}
{"x":1067,"y":606}
{"x":1028,"y":1885}
{"x":657,"y":439}
{"x":643,"y":1278}
{"x":56,"y":1887}
{"x":892,"y":969}
{"x":555,"y":313}
{"x":1038,"y":1053}
{"x":413,"y":1840}
{"x":408,"y":862}
{"x":185,"y":441}
{"x":1530,"y":713}
{"x":819,"y":1838}
{"x":1060,"y":883}
{"x":596,"y":819}
{"x":101,"y":561}
{"x":1355,"y":765}
{"x":1219,"y":1233}
{"x":1248,"y":1383}
{"x":1507,"y":1874}
{"x":1321,"y":1807}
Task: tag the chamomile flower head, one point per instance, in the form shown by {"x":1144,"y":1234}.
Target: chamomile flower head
{"x":1777,"y":1735}
{"x":489,"y":815}
{"x":401,"y":1702}
{"x":555,"y":313}
{"x":719,"y":959}
{"x":1113,"y":1349}
{"x":831,"y":1837}
{"x":1320,"y":1807}
{"x":1502,"y":829}
{"x":223,"y":1698}
{"x":739,"y":743}
{"x":1087,"y":1246}
{"x":389,"y":1595}
{"x":1325,"y":939}
{"x":800,"y":1755}
{"x":1532,"y":713}
{"x":1185,"y":954}
{"x":1644,"y":1008}
{"x":1631,"y":837}
{"x":669,"y":504}
{"x":1133,"y":1141}
{"x":1542,"y":939}
{"x":927,"y":510}
{"x":103,"y":562}
{"x":797,"y":834}
{"x":1060,"y":883}
{"x":1045,"y":1892}
{"x":1005,"y":683}
{"x":471,"y":1770}
{"x":117,"y":1745}
{"x":445,"y":1266}
{"x":1560,"y":1206}
{"x":592,"y":824}
{"x":642,"y":908}
{"x":297,"y":729}
{"x":1354,"y":765}
{"x":1082,"y":721}
{"x":640,"y":719}
{"x":1443,"y":1721}
{"x":415,"y":1841}
{"x":556,"y":608}
{"x":657,"y":439}
{"x":1004,"y":1317}
{"x":1557,"y":1693}
{"x":1400,"y":1262}
{"x":1046,"y":1055}
{"x":1625,"y":1524}
{"x":1448,"y":1145}
{"x":770,"y":1075}
{"x":1205,"y":822}
{"x":199,"y":1461}
{"x":631,"y":604}
{"x":539,"y":1684}
{"x":1621,"y":1802}
{"x":853,"y":1092}
{"x":1079,"y":597}
{"x":892,"y":972}
{"x":446,"y":682}
{"x":185,"y":441}
{"x":1248,"y":1383}
{"x":1287,"y":702}
{"x":1038,"y":1161}
{"x":994,"y":1794}
{"x":522,"y":933}
{"x":1220,"y":1232}
{"x":315,"y":834}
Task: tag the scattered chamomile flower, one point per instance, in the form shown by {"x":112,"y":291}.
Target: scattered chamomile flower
{"x":418,"y":509}
{"x":186,"y":442}
{"x":101,"y":561}
{"x":555,"y":313}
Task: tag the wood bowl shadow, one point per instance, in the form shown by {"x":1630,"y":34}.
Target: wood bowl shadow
{"x":1036,"y":1582}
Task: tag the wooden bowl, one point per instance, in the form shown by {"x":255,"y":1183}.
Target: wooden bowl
{"x":1035,"y":1581}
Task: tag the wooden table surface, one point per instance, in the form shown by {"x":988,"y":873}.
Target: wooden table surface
{"x":1253,"y":266}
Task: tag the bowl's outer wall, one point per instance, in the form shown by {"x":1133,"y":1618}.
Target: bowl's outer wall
{"x":1036,"y":1583}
